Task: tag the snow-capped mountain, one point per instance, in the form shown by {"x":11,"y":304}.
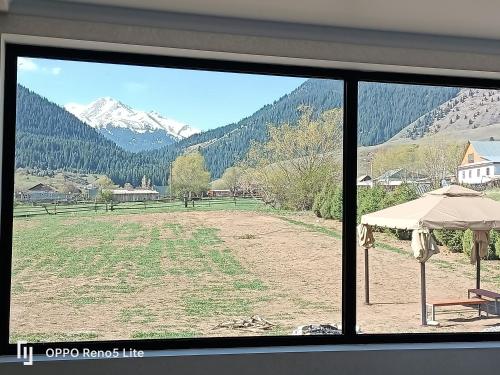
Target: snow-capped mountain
{"x":129,"y":128}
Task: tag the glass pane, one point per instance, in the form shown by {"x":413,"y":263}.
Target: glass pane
{"x":414,"y":140}
{"x":167,"y":203}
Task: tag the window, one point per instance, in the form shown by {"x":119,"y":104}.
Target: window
{"x":143,"y":211}
{"x":487,"y":171}
{"x":422,"y":141}
{"x":470,"y":158}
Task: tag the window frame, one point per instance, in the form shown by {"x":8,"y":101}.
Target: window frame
{"x":351,"y":79}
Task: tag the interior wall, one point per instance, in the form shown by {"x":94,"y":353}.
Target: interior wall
{"x":370,"y":362}
{"x":347,"y":46}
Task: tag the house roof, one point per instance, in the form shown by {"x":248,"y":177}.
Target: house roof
{"x":364,"y":177}
{"x":135,"y":191}
{"x":489,"y":150}
{"x":398,"y":174}
{"x":41,"y":187}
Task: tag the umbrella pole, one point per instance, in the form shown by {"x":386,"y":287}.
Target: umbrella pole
{"x":423,"y":294}
{"x":367,"y":278}
{"x":478,"y":267}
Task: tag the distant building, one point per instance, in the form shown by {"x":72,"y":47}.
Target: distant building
{"x":364,"y":180}
{"x":90,"y":192}
{"x":135,"y":195}
{"x":42,"y":193}
{"x":213,"y":193}
{"x":396,"y":177}
{"x":481,"y":163}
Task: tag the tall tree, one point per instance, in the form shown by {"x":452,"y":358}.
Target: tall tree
{"x":298,"y":160}
{"x":231,"y":179}
{"x":189,"y":175}
{"x":104,"y":182}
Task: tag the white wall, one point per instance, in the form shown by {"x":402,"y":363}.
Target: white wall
{"x":474,"y":178}
{"x":338,"y":47}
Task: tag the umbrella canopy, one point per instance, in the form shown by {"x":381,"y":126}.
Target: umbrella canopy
{"x":451,"y":207}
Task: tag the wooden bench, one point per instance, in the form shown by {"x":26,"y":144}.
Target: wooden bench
{"x":488,"y":294}
{"x":456,"y":302}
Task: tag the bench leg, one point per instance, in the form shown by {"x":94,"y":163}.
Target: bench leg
{"x":496,"y":306}
{"x":433,"y":313}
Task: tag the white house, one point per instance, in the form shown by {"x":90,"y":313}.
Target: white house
{"x":481,"y":163}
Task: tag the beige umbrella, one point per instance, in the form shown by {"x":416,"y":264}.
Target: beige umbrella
{"x":451,"y":207}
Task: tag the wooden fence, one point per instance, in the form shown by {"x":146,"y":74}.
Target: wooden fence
{"x":56,"y":208}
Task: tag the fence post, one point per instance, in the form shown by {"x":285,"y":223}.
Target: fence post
{"x":55,"y":208}
{"x":106,"y":206}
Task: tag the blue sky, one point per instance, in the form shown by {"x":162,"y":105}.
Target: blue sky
{"x":201,"y":99}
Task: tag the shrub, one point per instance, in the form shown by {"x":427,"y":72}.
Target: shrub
{"x":467,"y":242}
{"x":497,"y":244}
{"x":318,"y":201}
{"x":328,"y":202}
{"x":453,"y":239}
{"x":336,"y":204}
{"x":401,"y":194}
{"x":492,"y":248}
{"x":106,"y":195}
{"x":325,"y":209}
{"x":377,"y":198}
{"x":370,"y":200}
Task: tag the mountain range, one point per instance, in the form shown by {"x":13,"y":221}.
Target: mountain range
{"x":129,"y":128}
{"x":112,"y":138}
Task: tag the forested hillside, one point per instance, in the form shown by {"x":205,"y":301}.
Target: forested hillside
{"x":50,"y":138}
{"x":385,"y":108}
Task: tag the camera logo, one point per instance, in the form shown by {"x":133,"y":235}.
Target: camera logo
{"x":25,"y":352}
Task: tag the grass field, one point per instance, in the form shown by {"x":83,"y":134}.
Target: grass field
{"x":148,"y":274}
{"x":177,"y":272}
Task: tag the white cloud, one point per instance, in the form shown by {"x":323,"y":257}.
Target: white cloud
{"x":27,"y":64}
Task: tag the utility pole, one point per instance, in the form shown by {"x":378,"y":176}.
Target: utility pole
{"x":170,"y":180}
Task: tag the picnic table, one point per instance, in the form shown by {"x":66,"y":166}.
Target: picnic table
{"x":488,"y":294}
{"x":456,"y":302}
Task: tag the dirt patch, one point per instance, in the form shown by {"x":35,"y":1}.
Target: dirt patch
{"x":232,"y":265}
